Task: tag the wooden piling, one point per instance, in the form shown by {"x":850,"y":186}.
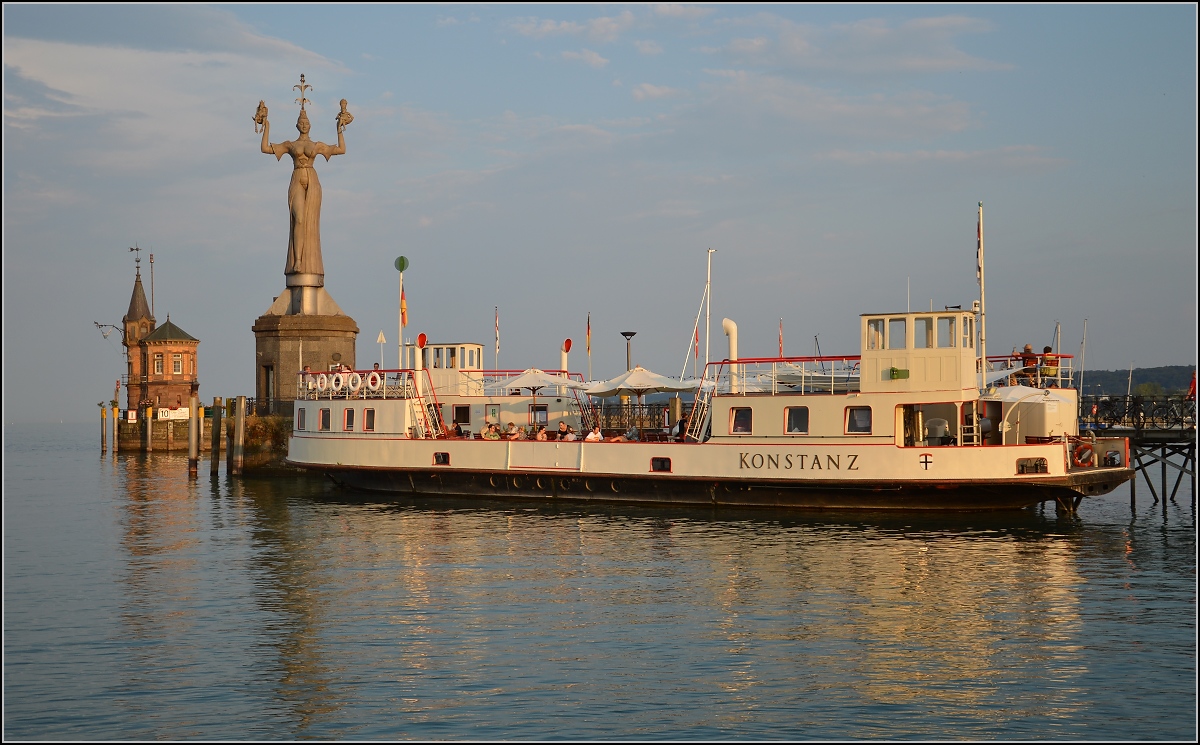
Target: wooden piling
{"x":116,"y":428}
{"x":215,"y":459}
{"x":193,"y":436}
{"x":239,"y":436}
{"x":148,"y":430}
{"x":103,"y":429}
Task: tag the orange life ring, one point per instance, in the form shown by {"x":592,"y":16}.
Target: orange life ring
{"x":1083,"y":455}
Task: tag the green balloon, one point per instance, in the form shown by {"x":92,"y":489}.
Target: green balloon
{"x":401,"y":263}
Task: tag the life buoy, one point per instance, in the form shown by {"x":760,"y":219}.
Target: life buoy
{"x":373,"y":380}
{"x":339,"y":380}
{"x":322,"y":382}
{"x":1083,"y":454}
{"x":354,"y":381}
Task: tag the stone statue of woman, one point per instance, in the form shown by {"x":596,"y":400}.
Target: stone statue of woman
{"x":304,"y":192}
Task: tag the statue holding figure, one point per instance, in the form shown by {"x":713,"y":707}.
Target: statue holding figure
{"x":304,"y":191}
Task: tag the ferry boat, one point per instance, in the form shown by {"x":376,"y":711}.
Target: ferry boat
{"x":914,"y":420}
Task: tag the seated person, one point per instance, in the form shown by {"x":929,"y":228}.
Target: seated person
{"x":454,"y":431}
{"x":561,"y":434}
{"x":594,"y":435}
{"x":1049,"y":366}
{"x":541,"y":434}
{"x":510,"y":433}
{"x":570,"y":436}
{"x":491,"y":433}
{"x":1029,"y":361}
{"x":631,"y":435}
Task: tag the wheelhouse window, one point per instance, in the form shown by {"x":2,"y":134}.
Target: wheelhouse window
{"x":858,"y":420}
{"x":538,"y":415}
{"x":797,"y":420}
{"x":300,"y":418}
{"x":323,"y":420}
{"x":368,"y":420}
{"x":945,"y":332}
{"x":896,"y":337}
{"x":875,"y":333}
{"x":741,"y":420}
{"x":923,"y":333}
{"x":348,"y":421}
{"x":968,"y":336}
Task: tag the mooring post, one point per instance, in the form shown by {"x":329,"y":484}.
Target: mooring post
{"x":215,"y":459}
{"x":239,"y":435}
{"x":116,"y":429}
{"x":103,"y":429}
{"x":148,"y":430}
{"x":193,"y":436}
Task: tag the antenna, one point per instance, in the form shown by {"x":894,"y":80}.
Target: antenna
{"x":151,"y":285}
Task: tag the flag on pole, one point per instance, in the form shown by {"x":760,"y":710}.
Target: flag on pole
{"x":589,"y":334}
{"x":403,"y":309}
{"x":979,"y":250}
{"x":697,"y":342}
{"x":780,"y":337}
{"x":497,"y":333}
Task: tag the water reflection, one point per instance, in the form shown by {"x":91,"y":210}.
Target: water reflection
{"x":284,"y":608}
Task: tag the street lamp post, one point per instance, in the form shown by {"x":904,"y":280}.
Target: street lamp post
{"x":628,"y":335}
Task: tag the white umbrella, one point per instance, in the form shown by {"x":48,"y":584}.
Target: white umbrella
{"x":534,"y":379}
{"x":638,"y":382}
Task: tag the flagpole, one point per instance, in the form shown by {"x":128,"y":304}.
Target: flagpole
{"x":781,"y":338}
{"x":497,"y":337}
{"x":983,"y":364}
{"x":589,"y":345}
{"x":708,"y":313}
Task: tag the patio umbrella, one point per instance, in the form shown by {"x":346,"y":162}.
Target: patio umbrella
{"x":638,"y":382}
{"x":534,"y":379}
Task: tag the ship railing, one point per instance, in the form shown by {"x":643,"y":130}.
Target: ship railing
{"x":1162,"y":412}
{"x":772,"y":375}
{"x":1054,"y":371}
{"x":363,"y":384}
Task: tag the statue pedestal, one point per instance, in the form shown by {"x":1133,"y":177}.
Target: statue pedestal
{"x":285,"y":342}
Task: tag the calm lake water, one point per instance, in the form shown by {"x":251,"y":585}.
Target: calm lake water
{"x":138,"y":605}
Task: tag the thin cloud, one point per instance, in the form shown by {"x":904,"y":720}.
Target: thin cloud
{"x":588,"y":57}
{"x":605,"y":29}
{"x":648,"y":47}
{"x":541,"y":28}
{"x":684,"y":12}
{"x":649,"y":92}
{"x":1013,"y":156}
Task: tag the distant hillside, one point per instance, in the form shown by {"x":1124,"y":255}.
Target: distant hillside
{"x":1146,"y":380}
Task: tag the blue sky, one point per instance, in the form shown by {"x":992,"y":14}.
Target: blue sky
{"x":560,"y":160}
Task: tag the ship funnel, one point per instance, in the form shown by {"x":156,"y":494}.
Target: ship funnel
{"x":562,"y":361}
{"x":730,"y":329}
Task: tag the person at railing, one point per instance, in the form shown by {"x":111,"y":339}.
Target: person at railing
{"x":570,"y":436}
{"x":1028,"y":361}
{"x":594,"y":435}
{"x":541,"y":434}
{"x":1048,"y":369}
{"x":511,"y":432}
{"x":454,"y":432}
{"x":563,"y":429}
{"x":491,"y":432}
{"x":631,"y":435}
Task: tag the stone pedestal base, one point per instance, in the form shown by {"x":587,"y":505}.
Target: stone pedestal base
{"x":286,"y":343}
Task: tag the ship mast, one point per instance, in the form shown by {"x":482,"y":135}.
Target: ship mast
{"x":983,"y":365}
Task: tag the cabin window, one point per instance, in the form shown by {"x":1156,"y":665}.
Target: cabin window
{"x":945,"y":332}
{"x":441,"y":459}
{"x":471,"y":357}
{"x":797,"y":420}
{"x":158,"y":364}
{"x":896,"y":339}
{"x":538,"y":415}
{"x":923,"y":333}
{"x":858,"y":420}
{"x":437,"y":357}
{"x":875,"y":333}
{"x":661,"y":465}
{"x":741,"y":421}
{"x":462,"y":414}
{"x":368,"y":420}
{"x":323,"y":422}
{"x":300,"y":418}
{"x":968,"y":327}
{"x":177,"y":364}
{"x":348,"y":420}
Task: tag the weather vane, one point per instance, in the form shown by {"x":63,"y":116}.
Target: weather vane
{"x":137,"y":257}
{"x":302,"y":87}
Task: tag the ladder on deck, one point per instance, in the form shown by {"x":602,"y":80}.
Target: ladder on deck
{"x":970,"y":432}
{"x":587,"y":418}
{"x":698,"y":423}
{"x":429,"y":418}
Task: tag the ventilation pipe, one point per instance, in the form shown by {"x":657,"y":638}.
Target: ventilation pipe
{"x":562,"y":362}
{"x":730,"y":329}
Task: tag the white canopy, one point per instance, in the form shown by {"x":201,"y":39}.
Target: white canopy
{"x":534,"y":379}
{"x":638,"y":382}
